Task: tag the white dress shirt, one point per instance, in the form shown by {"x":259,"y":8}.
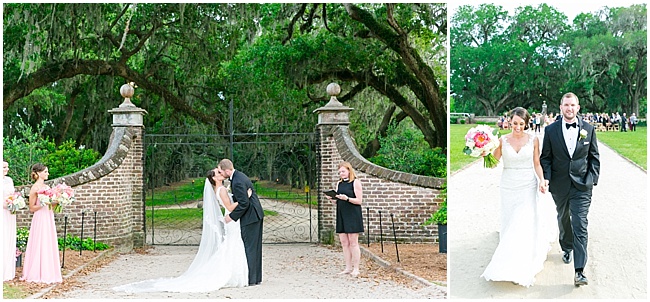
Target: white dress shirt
{"x":570,"y":136}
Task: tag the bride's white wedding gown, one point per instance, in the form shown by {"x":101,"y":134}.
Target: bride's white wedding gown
{"x":220,"y":261}
{"x":528,"y":224}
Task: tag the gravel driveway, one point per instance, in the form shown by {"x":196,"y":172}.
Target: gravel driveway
{"x":301,"y":271}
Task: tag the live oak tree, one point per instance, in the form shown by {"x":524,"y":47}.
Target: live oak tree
{"x":500,"y":61}
{"x":65,"y":62}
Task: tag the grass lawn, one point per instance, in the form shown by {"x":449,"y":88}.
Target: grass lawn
{"x":458,"y":159}
{"x":172,"y":218}
{"x":632,"y":145}
{"x":11,"y":292}
{"x":192,"y":190}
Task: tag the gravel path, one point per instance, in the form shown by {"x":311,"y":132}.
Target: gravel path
{"x":617,"y":265}
{"x":303,"y":271}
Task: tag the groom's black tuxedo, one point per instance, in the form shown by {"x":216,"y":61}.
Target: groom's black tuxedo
{"x":250,"y":211}
{"x":571,"y":180}
{"x":581,"y":170}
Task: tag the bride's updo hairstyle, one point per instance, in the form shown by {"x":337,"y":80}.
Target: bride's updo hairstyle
{"x":37,"y":168}
{"x":522,"y":113}
{"x":210,"y":176}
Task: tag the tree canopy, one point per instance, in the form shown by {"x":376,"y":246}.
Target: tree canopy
{"x":64,"y":63}
{"x":501,"y":60}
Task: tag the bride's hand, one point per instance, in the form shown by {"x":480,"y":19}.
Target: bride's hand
{"x":250,"y":192}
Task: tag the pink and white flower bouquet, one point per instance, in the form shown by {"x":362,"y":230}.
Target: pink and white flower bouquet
{"x":45,"y":197}
{"x":62,"y":194}
{"x":480,"y":140}
{"x":15,"y":202}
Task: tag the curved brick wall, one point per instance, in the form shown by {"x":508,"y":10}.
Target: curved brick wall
{"x":113,"y":188}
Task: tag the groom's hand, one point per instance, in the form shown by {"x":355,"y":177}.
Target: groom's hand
{"x":228,"y":219}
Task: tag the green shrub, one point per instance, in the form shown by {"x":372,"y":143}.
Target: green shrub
{"x":453,"y":120}
{"x":406,"y":151}
{"x":75,"y":243}
{"x":67,"y":159}
{"x":463,"y":121}
{"x":29,"y":147}
{"x":22,"y":234}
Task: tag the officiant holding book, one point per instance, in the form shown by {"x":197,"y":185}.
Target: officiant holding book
{"x":349,"y":218}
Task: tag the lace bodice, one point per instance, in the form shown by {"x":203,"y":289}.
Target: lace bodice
{"x":517,"y":160}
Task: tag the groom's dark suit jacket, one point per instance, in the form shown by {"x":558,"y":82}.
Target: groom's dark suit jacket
{"x":582,"y":169}
{"x":249,"y":210}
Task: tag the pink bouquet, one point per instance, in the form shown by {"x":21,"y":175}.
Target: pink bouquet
{"x":15,"y":202}
{"x":62,"y":194}
{"x":482,"y":139}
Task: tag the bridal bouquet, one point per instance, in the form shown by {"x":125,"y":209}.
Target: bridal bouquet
{"x":15,"y":202}
{"x":482,"y":139}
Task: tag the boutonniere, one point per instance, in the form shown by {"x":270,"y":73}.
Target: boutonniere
{"x":583,"y":134}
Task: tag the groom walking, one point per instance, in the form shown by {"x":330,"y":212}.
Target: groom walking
{"x":250,"y":211}
{"x":571,"y":165}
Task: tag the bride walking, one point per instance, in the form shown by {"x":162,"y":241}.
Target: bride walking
{"x":526,"y":230}
{"x":220,"y":261}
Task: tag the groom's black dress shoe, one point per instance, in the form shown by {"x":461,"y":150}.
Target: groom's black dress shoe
{"x":567,"y":257}
{"x":580,"y":279}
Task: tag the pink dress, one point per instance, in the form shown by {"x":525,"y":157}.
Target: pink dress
{"x":42,"y":263}
{"x":9,"y":232}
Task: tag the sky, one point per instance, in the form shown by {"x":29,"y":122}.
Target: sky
{"x":570,"y":8}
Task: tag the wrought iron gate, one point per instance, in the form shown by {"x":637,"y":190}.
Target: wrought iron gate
{"x":282,"y":166}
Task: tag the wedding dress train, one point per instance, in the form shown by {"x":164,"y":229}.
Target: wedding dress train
{"x":220,"y":261}
{"x":527,"y":223}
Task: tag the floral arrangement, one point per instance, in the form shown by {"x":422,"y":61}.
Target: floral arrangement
{"x":15,"y":202}
{"x":480,"y":140}
{"x":22,"y":234}
{"x":62,"y":194}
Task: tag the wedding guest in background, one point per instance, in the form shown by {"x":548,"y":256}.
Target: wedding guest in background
{"x":349,"y":218}
{"x":8,"y":227}
{"x":42,"y":263}
{"x":624,"y":122}
{"x":633,"y":121}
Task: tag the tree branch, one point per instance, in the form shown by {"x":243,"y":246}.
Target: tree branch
{"x":295,"y":18}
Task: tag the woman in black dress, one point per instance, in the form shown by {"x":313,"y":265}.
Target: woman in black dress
{"x":349,"y":221}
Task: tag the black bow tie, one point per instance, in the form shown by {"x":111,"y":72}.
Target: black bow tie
{"x":571,"y":125}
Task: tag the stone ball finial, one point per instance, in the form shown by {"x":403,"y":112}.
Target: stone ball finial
{"x":127,"y":91}
{"x":333,"y":89}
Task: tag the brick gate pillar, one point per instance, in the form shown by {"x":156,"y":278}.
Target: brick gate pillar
{"x":130,"y":117}
{"x":330,"y":116}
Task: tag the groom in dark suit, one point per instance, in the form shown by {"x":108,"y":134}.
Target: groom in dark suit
{"x":250,"y":211}
{"x":571,"y":165}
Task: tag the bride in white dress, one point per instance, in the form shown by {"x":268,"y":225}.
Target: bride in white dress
{"x":527,"y":223}
{"x":221,"y":259}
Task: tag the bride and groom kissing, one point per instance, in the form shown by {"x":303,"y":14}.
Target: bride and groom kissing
{"x":568,"y":166}
{"x":230,"y":252}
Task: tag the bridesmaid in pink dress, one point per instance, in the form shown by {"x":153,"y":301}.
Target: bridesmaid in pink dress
{"x":42,"y":262}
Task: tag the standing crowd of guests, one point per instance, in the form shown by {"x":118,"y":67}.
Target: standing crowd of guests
{"x":624,"y":121}
{"x":538,"y":121}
